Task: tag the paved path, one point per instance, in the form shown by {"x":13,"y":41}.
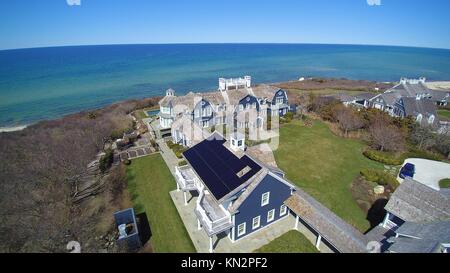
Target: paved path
{"x":429,"y":172}
{"x":168,"y":155}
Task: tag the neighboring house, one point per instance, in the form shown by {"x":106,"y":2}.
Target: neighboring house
{"x":362,"y":100}
{"x":431,"y":237}
{"x":238,"y":196}
{"x":423,"y":111}
{"x":417,"y":219}
{"x":415,"y":202}
{"x":236,"y":105}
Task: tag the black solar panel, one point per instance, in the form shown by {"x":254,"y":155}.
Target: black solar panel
{"x":218,"y":167}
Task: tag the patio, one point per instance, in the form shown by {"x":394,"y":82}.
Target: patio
{"x":221,"y":243}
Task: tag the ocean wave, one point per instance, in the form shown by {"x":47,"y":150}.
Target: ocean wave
{"x":12,"y":128}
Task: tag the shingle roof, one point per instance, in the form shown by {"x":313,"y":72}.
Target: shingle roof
{"x":344,"y":237}
{"x":365,"y":96}
{"x":414,"y":202}
{"x":413,"y":107}
{"x":427,"y":236}
{"x":265,"y":91}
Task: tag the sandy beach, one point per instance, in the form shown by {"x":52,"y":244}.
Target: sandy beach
{"x":441,"y":85}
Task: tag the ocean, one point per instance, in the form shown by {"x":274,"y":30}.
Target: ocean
{"x":47,"y":83}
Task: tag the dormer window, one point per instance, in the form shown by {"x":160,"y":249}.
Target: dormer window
{"x":419,"y":118}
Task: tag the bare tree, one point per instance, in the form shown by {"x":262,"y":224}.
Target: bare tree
{"x":348,"y":120}
{"x":423,"y":137}
{"x":385,"y":136}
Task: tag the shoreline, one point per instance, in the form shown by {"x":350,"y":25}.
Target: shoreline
{"x":435,"y":85}
{"x":16,"y":128}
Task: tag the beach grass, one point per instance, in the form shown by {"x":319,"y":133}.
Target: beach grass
{"x":290,"y":242}
{"x":149,"y":183}
{"x":324,"y":165}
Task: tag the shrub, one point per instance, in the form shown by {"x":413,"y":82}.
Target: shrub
{"x":92,"y":115}
{"x":444,"y":183}
{"x":380,"y":177}
{"x":182,"y":163}
{"x":153,"y":143}
{"x":176,"y":148}
{"x":127,"y":162}
{"x":383,"y":157}
{"x":106,"y":160}
{"x":416,"y":153}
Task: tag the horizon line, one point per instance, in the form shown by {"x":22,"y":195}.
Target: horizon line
{"x":225,"y":43}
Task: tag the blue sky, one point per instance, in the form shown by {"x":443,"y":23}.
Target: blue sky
{"x":37,"y":23}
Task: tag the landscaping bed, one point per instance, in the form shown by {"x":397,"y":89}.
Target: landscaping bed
{"x":176,"y":148}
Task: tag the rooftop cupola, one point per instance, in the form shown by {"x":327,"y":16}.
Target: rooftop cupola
{"x":237,"y":141}
{"x":170,"y":92}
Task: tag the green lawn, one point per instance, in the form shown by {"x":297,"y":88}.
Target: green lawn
{"x":444,"y":183}
{"x":444,"y":114}
{"x":149,"y":182}
{"x":290,"y":242}
{"x":324,"y":165}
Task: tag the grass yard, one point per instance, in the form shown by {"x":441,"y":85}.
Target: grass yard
{"x":444,"y":114}
{"x":290,"y":242}
{"x":149,"y":183}
{"x":324,"y":165}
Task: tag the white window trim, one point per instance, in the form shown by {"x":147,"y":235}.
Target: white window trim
{"x":240,"y":233}
{"x":273,"y":215}
{"x":283,"y":210}
{"x":262,"y":199}
{"x":253,"y":222}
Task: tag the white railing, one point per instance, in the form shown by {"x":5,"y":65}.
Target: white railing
{"x":209,"y":224}
{"x":183,"y":182}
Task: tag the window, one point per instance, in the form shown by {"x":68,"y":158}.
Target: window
{"x":265,"y":199}
{"x":270,"y":215}
{"x":419,"y":118}
{"x":279,"y":100}
{"x":241,"y":229}
{"x":254,"y":105}
{"x":283,"y":210}
{"x":256,"y":222}
{"x":205,"y":123}
{"x":431,"y":119}
{"x":239,"y":143}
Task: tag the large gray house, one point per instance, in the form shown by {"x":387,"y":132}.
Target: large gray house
{"x":410,"y":97}
{"x":236,"y":104}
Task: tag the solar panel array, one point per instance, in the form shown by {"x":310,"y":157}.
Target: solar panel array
{"x":218,"y":167}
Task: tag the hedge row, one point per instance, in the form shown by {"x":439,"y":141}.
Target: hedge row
{"x":392,"y":159}
{"x":380,"y":177}
{"x":176,"y":148}
{"x":383,"y":157}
